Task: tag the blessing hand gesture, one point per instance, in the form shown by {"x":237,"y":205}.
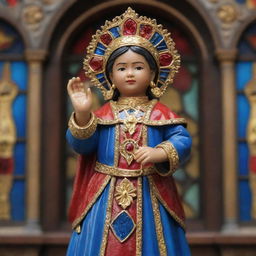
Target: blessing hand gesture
{"x":81,"y":100}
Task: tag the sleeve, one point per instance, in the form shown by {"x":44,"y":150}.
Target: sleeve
{"x":177,"y":145}
{"x":83,"y":140}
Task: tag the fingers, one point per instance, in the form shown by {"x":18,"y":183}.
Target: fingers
{"x":75,"y":85}
{"x":142,"y":155}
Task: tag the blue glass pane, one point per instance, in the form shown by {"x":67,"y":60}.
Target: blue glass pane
{"x":190,"y":100}
{"x":243,"y":112}
{"x":179,"y":175}
{"x":244,"y":201}
{"x":243,"y":74}
{"x":20,"y":115}
{"x":241,"y":1}
{"x":18,"y":201}
{"x":20,"y":74}
{"x":11,"y":42}
{"x":243,"y":158}
{"x":19,"y":158}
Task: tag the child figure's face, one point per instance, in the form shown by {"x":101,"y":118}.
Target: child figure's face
{"x":131,"y":74}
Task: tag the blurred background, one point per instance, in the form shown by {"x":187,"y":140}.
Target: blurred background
{"x":43,"y":44}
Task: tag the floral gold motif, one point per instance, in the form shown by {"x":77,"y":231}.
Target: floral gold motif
{"x":227,"y":13}
{"x":125,"y":192}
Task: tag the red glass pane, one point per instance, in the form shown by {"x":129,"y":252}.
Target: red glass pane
{"x":183,"y":80}
{"x":146,"y":31}
{"x":80,"y":45}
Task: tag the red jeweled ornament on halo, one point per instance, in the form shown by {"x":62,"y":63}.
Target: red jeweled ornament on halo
{"x":106,"y":39}
{"x":146,"y":31}
{"x":129,"y":27}
{"x":96,"y":63}
{"x":165,"y":59}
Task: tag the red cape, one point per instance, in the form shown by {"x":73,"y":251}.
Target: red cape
{"x":89,"y":184}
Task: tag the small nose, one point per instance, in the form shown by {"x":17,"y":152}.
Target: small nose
{"x":129,"y":72}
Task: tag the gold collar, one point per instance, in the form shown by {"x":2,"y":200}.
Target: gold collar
{"x":132,"y":102}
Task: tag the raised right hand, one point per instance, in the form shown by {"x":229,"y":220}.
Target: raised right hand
{"x":81,"y":100}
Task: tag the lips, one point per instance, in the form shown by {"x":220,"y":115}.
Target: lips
{"x":130,"y":81}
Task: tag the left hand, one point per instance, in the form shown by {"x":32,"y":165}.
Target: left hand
{"x":145,"y":155}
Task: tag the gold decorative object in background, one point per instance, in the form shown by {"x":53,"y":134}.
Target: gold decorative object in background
{"x":8,"y":92}
{"x":32,"y":16}
{"x":250,"y":91}
{"x":227,"y":13}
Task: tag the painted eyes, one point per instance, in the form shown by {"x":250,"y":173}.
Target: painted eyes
{"x":136,"y":68}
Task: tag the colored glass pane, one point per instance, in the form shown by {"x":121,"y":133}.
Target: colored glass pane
{"x":241,"y":1}
{"x":182,"y":43}
{"x":20,"y":158}
{"x":183,"y":79}
{"x":243,"y":111}
{"x":192,"y":197}
{"x":10,"y":40}
{"x":20,"y":114}
{"x":244,"y":201}
{"x":243,"y":156}
{"x":18,"y":200}
{"x":190,"y":100}
{"x":10,"y":3}
{"x":243,"y":74}
{"x":247,"y":44}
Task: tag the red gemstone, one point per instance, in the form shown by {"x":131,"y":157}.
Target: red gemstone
{"x":146,"y":31}
{"x":96,"y":63}
{"x":106,"y":39}
{"x":129,"y":147}
{"x":129,"y":27}
{"x":165,"y":59}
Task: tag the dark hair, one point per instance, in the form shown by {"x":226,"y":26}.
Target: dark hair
{"x":137,"y":49}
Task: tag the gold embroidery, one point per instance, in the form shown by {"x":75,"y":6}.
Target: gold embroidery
{"x":181,"y":121}
{"x":132,"y":102}
{"x":139,"y":218}
{"x":158,"y":223}
{"x":108,"y":217}
{"x":172,"y":156}
{"x":85,"y":131}
{"x":116,"y":153}
{"x":171,"y":212}
{"x":119,"y":172}
{"x":130,"y":124}
{"x":125,"y":192}
{"x":79,"y":219}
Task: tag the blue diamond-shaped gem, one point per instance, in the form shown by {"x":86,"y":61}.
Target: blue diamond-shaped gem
{"x":123,"y":226}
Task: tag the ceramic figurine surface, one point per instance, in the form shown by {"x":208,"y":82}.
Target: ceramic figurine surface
{"x":125,"y":201}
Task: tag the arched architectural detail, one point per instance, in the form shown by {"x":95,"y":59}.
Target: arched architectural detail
{"x":242,"y":28}
{"x":165,"y":10}
{"x":8,"y":18}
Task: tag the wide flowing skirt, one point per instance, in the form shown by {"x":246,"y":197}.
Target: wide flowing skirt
{"x":153,"y":232}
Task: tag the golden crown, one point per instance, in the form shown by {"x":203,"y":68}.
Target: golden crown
{"x":126,"y":30}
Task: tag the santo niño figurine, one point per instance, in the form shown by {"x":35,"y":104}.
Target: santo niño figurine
{"x":125,"y":201}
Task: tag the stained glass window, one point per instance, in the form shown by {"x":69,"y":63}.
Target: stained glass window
{"x":13,"y":79}
{"x":182,"y":98}
{"x":246,"y":80}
